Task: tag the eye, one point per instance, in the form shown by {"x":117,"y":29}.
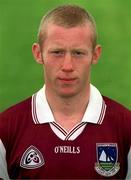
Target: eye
{"x":78,"y":53}
{"x":57,"y":52}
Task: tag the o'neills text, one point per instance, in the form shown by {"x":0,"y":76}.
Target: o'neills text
{"x":67,"y":149}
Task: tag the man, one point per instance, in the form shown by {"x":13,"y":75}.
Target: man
{"x":67,"y":130}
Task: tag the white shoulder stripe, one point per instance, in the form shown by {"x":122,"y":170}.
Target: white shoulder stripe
{"x":3,"y":164}
{"x":34,"y":114}
{"x":102,"y":114}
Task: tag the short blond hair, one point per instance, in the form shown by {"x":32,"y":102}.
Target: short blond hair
{"x":67,"y":16}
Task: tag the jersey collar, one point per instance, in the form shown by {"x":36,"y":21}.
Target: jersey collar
{"x":95,"y":111}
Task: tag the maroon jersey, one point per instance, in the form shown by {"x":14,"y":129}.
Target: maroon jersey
{"x":31,"y":149}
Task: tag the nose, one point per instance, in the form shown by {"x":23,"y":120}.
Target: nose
{"x":67,"y":65}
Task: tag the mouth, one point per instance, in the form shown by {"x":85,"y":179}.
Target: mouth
{"x":67,"y":80}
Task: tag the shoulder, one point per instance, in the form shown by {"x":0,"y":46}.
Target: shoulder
{"x":114,"y":104}
{"x":118,"y":118}
{"x":15,"y":117}
{"x":116,"y":109}
{"x":17,"y":109}
{"x":14,"y":121}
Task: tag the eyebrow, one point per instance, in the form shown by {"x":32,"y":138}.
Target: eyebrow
{"x":64,"y":49}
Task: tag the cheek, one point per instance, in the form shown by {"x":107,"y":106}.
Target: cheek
{"x":85,"y":69}
{"x":52,"y":65}
{"x":51,"y":61}
{"x":85,"y":74}
{"x":50,"y":70}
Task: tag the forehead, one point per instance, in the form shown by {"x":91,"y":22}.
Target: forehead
{"x":79,"y":34}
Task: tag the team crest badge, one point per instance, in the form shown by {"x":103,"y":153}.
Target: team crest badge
{"x":107,"y":157}
{"x":32,"y":158}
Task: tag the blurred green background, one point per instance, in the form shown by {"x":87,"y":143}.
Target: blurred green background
{"x":20,"y":76}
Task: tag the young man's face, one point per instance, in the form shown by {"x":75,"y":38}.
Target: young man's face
{"x":67,"y":56}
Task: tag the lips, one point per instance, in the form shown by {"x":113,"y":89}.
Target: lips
{"x":67,"y":80}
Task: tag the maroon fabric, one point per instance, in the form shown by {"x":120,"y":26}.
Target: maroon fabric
{"x":63,"y":159}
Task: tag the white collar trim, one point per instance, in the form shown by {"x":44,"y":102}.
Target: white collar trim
{"x":95,"y":111}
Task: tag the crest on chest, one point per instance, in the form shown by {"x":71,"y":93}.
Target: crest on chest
{"x":107,"y":159}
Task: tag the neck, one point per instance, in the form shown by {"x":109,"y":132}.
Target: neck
{"x":68,"y":111}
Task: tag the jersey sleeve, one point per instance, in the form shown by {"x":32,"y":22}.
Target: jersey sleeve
{"x":3,"y":138}
{"x":128,"y":177}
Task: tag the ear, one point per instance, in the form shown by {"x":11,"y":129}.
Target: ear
{"x":96,"y":54}
{"x":37,"y":53}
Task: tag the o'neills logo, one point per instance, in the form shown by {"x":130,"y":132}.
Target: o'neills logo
{"x":67,"y":149}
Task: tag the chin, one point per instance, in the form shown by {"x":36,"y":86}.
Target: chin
{"x":67,"y":94}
